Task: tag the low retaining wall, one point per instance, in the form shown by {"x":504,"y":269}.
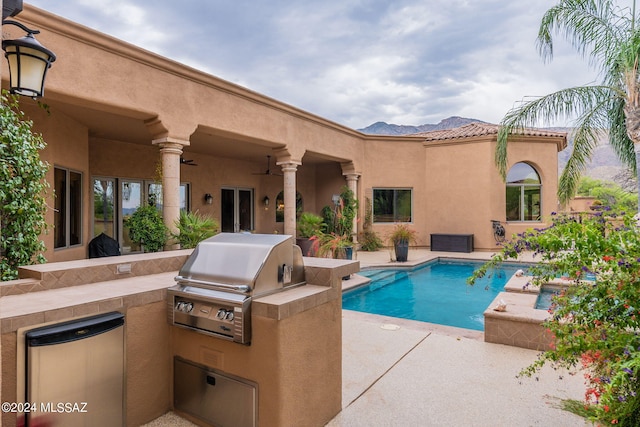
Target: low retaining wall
{"x":520,"y":325}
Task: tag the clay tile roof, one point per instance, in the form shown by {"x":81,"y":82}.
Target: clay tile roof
{"x":480,"y":129}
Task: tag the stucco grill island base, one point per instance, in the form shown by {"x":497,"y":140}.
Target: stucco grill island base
{"x":294,"y":359}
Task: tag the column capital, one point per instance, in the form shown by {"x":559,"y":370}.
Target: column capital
{"x":349,"y":168}
{"x":351,"y":176}
{"x":168,"y":142}
{"x":289,"y":165}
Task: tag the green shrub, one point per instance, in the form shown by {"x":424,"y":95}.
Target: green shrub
{"x":309,"y":224}
{"x":22,"y":190}
{"x":194,"y":228}
{"x":147,"y":228}
{"x":370,"y":241}
{"x":594,"y":324}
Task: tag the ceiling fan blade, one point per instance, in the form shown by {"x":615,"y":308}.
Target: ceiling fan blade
{"x":188,"y":162}
{"x":268,"y":171}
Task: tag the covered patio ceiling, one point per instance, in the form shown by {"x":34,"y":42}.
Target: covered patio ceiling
{"x":108,"y":123}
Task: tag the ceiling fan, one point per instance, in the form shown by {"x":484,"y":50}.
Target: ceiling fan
{"x":268,"y":171}
{"x":184,"y":161}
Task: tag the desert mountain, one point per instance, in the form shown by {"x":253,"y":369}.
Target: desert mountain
{"x":382,"y":128}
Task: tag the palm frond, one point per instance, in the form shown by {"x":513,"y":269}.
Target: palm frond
{"x":589,"y":103}
{"x":585,"y":140}
{"x":618,"y":137}
{"x":595,"y":28}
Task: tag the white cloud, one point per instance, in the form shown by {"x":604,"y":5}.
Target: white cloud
{"x":352,"y":61}
{"x":123,"y":19}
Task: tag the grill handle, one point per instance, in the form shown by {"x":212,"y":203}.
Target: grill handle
{"x":238,"y":288}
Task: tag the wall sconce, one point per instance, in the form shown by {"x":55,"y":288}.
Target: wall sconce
{"x":28,"y":62}
{"x":265,"y":201}
{"x":208,"y":199}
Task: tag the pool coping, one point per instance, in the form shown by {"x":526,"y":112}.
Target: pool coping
{"x":521,"y":323}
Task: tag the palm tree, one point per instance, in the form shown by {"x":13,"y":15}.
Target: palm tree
{"x":606,"y":34}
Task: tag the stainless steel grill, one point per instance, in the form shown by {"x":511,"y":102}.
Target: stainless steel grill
{"x":224,"y":274}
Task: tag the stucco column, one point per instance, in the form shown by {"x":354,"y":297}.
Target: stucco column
{"x":352,"y":184}
{"x":171,"y":150}
{"x":289,"y":170}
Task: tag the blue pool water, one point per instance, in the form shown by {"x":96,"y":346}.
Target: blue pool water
{"x":545,"y":298}
{"x":436,"y":292}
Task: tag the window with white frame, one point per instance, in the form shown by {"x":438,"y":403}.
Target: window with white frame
{"x":524,"y":191}
{"x":392,"y":204}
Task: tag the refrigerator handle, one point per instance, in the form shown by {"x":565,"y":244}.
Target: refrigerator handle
{"x":211,"y":380}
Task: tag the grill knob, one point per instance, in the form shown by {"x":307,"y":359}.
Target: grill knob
{"x":221,"y":313}
{"x":188,"y":307}
{"x":229,"y":315}
{"x":179,"y":306}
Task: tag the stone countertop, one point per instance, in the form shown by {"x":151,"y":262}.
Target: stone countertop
{"x":32,"y":308}
{"x":16,"y":311}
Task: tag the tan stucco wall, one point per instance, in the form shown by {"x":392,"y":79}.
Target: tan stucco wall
{"x":148,"y":391}
{"x":66,"y":148}
{"x":456,"y":188}
{"x":396,"y":164}
{"x":466,"y":191}
{"x":580,"y":204}
{"x":299,"y":377}
{"x":461,"y":189}
{"x":543,"y":156}
{"x":8,"y":378}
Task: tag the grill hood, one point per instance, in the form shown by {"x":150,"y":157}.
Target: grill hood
{"x":249,"y":264}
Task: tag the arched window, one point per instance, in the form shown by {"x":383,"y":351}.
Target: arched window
{"x":523,"y":193}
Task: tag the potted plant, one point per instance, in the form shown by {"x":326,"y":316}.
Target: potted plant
{"x":193,"y":228}
{"x":339,"y":225}
{"x":332,"y":245}
{"x":400,"y":237}
{"x":147,"y":228}
{"x":308,"y":225}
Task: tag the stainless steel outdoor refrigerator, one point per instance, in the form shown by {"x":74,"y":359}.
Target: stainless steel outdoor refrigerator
{"x":75,"y":372}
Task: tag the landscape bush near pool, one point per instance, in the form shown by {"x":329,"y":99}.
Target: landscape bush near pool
{"x":596,"y":321}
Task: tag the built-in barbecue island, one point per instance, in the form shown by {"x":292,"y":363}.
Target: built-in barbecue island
{"x":287,"y":370}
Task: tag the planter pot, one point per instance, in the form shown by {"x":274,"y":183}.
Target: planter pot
{"x":402,"y":251}
{"x":307,"y":247}
{"x":348,"y":254}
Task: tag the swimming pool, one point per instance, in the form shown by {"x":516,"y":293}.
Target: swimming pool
{"x":436,"y":292}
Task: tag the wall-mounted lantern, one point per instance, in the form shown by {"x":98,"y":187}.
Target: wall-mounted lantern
{"x":28,"y":60}
{"x":265,"y":201}
{"x":208,"y":199}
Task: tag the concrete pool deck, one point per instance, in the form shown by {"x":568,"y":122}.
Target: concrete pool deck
{"x":417,"y":374}
{"x":402,"y":372}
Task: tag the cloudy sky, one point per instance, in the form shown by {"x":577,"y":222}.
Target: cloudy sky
{"x":354,"y":62}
